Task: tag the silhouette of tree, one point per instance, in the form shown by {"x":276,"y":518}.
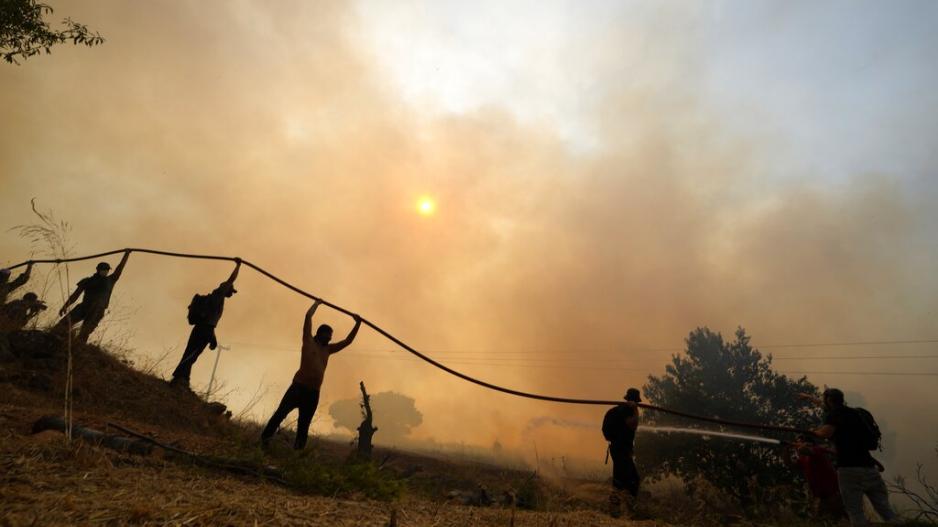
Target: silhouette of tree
{"x":24,"y":32}
{"x":729,"y":380}
{"x":395,"y":414}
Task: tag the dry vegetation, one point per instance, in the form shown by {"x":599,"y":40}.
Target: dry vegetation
{"x":44,"y":481}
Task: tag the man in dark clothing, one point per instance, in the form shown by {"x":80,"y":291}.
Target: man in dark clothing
{"x":16,"y":314}
{"x":303,"y":394}
{"x":97,"y":290}
{"x":619,"y":426}
{"x":7,"y":286}
{"x":205,"y":318}
{"x":858,"y":473}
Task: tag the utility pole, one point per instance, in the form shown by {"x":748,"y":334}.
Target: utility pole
{"x":215,"y":367}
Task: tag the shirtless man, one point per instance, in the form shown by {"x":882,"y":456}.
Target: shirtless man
{"x":303,"y":394}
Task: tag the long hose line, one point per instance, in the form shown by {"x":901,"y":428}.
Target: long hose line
{"x":421,"y":356}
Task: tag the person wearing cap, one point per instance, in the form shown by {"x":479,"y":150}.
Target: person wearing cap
{"x":7,"y":286}
{"x":97,"y":290}
{"x":16,"y":314}
{"x":619,"y":426}
{"x":204,"y":320}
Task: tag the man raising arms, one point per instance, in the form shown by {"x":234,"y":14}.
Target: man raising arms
{"x":303,"y":393}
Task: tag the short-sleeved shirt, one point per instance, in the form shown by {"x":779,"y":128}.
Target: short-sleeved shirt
{"x":819,"y":471}
{"x":97,"y":291}
{"x":624,"y":436}
{"x":849,"y":433}
{"x":216,"y":305}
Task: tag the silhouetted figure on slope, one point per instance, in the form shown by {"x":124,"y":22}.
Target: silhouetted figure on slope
{"x":7,"y":286}
{"x":854,"y":433}
{"x":619,"y":426}
{"x":97,"y":290}
{"x":303,"y":393}
{"x":204,"y":313}
{"x":16,"y":314}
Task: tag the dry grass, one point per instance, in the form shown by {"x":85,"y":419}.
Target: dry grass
{"x":44,"y":482}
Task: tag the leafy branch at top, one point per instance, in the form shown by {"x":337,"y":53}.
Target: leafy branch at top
{"x":24,"y":32}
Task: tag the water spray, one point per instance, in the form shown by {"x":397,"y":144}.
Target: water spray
{"x":707,"y":433}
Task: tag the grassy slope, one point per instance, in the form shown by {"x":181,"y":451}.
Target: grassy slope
{"x":43,"y":481}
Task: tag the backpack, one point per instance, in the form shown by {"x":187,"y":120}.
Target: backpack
{"x":872,"y":437}
{"x":198,"y":309}
{"x":610,"y":427}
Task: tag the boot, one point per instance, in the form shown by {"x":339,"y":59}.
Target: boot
{"x":615,"y":503}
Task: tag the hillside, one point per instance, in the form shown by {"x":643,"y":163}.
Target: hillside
{"x":228,"y":480}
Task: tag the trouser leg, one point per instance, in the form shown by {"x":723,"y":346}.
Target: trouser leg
{"x":89,"y":324}
{"x":850,"y":482}
{"x":287,"y":404}
{"x":199,"y":338}
{"x":73,"y":317}
{"x":878,"y":494}
{"x":307,"y":407}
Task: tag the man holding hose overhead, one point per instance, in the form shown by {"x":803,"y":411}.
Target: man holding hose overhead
{"x":204,"y":313}
{"x":97,"y":290}
{"x":303,"y":393}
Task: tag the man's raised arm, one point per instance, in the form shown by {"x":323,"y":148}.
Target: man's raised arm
{"x":23,"y":278}
{"x":71,"y":299}
{"x":308,"y":322}
{"x":120,"y":267}
{"x":234,"y":274}
{"x":339,"y":346}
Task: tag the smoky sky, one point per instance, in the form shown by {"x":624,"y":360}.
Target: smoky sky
{"x":272,"y":133}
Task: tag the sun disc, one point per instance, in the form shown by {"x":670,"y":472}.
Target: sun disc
{"x":426,"y":206}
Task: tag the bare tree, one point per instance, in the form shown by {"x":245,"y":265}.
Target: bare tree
{"x":925,"y":500}
{"x":366,"y":430}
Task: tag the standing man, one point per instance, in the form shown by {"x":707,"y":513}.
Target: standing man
{"x":97,"y":289}
{"x":204,"y":314}
{"x":7,"y":287}
{"x":619,"y":426}
{"x":16,"y":314}
{"x":858,"y":474}
{"x":303,"y":394}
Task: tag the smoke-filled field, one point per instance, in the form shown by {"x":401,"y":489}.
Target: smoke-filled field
{"x":565,"y":199}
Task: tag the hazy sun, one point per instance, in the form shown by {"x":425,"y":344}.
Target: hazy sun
{"x":426,"y":206}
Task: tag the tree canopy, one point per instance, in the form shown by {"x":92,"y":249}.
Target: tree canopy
{"x":729,"y":380}
{"x":24,"y":31}
{"x":395,"y":414}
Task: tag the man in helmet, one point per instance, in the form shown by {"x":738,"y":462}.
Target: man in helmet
{"x":16,"y":314}
{"x":619,"y":426}
{"x":7,"y":286}
{"x":97,"y":290}
{"x":204,"y":314}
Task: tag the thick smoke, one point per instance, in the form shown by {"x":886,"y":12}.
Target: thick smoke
{"x":270,"y":133}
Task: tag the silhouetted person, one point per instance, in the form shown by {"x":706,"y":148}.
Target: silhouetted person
{"x":97,"y":290}
{"x":619,"y":426}
{"x":814,"y":463}
{"x":858,"y":474}
{"x":204,"y":314}
{"x":16,"y":314}
{"x":7,"y":286}
{"x":303,"y":393}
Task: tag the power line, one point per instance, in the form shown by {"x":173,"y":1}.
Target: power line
{"x":521,"y":363}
